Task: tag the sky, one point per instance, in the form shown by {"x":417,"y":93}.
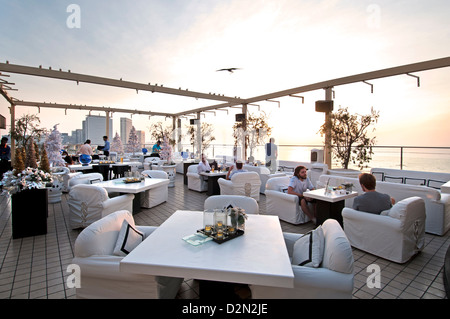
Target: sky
{"x":277,"y":45}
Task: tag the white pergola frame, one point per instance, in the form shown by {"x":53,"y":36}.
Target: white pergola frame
{"x":227,"y":101}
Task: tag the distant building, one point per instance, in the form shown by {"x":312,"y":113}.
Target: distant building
{"x":125,"y":128}
{"x":94,"y":128}
{"x":141,"y":137}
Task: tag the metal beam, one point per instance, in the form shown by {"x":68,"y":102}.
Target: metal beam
{"x":87,"y":108}
{"x":399,"y":70}
{"x":76,"y":77}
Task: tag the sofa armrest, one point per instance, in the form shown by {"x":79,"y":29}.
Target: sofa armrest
{"x":383,"y":222}
{"x":322,"y":279}
{"x":282,"y":196}
{"x":147,"y":230}
{"x":118,"y":201}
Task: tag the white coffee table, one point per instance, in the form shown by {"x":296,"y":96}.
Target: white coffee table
{"x":257,"y":257}
{"x":329,"y":205}
{"x":118,"y":185}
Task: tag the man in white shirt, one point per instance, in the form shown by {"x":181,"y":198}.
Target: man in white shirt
{"x":203,"y":166}
{"x":299,"y":184}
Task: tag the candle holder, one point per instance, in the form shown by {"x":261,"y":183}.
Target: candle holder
{"x":208,"y":221}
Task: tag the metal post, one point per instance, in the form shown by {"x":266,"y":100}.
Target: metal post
{"x":244,"y":129}
{"x":13,"y":127}
{"x":327,"y":147}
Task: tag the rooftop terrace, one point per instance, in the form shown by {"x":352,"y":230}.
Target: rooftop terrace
{"x":35,"y":267}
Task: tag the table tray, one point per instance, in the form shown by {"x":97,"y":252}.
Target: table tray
{"x":226,"y":237}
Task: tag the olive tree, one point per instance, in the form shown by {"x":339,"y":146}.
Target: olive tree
{"x":349,"y":137}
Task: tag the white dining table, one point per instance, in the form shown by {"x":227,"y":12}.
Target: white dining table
{"x":257,"y":257}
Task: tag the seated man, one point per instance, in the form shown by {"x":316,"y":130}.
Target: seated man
{"x":371,"y":201}
{"x":232,"y":171}
{"x":203,"y":166}
{"x":299,"y":184}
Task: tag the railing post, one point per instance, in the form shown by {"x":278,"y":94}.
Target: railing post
{"x":401,"y":157}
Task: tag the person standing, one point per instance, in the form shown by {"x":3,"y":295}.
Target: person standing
{"x":106,"y":146}
{"x":156,"y":149}
{"x":271,"y":156}
{"x":5,"y":156}
{"x":86,"y":148}
{"x":299,"y":184}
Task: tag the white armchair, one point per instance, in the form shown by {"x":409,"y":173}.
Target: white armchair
{"x":157,"y":195}
{"x":89,"y":178}
{"x":264,"y":175}
{"x":397,"y":235}
{"x":250,"y":205}
{"x":282,"y":204}
{"x":196,"y":181}
{"x":332,"y":279}
{"x":100,"y":273}
{"x":245,"y":184}
{"x":89,"y":203}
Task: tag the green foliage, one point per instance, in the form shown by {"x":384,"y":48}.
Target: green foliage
{"x":349,"y":138}
{"x":256,"y":130}
{"x":158,"y":132}
{"x":26,"y":128}
{"x":206,"y":131}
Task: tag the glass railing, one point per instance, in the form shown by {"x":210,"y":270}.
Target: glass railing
{"x":416,"y":158}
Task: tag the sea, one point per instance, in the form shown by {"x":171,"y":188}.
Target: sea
{"x":429,"y":159}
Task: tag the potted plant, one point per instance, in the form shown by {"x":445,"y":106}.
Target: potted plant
{"x":237,"y":218}
{"x":29,"y":200}
{"x":350,"y":142}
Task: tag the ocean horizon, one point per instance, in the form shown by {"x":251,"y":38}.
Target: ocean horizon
{"x":414,"y":158}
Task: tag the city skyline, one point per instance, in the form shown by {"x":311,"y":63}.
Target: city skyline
{"x":275,"y":45}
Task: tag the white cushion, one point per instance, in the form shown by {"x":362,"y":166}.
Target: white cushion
{"x":398,"y":210}
{"x":128,"y":239}
{"x":308,"y":249}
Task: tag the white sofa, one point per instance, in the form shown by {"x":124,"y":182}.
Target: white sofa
{"x":281,"y":204}
{"x":264,"y":175}
{"x":315,"y":170}
{"x":156,"y":195}
{"x":88,"y":178}
{"x":430,"y":179}
{"x":437,"y":205}
{"x":100,"y":273}
{"x":332,"y":279}
{"x":89,"y":203}
{"x":396,"y":235}
{"x":250,"y":205}
{"x":244,"y":183}
{"x":196,"y":181}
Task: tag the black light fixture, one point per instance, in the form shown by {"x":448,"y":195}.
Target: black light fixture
{"x":240,"y":117}
{"x":324,"y":106}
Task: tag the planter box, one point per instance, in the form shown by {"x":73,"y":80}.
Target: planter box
{"x":29,"y":211}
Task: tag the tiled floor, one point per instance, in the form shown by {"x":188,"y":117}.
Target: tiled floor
{"x":36,"y":267}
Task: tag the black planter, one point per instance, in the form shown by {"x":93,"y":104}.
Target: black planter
{"x":29,"y":210}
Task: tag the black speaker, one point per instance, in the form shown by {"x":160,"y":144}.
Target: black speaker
{"x":324,"y":106}
{"x":240,"y":117}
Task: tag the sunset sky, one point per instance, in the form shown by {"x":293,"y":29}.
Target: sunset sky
{"x":277,"y":45}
